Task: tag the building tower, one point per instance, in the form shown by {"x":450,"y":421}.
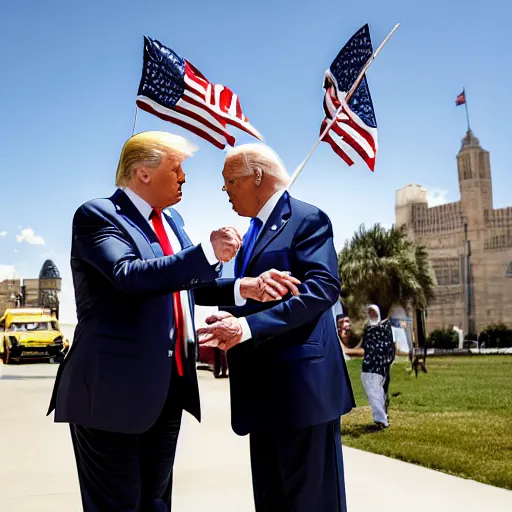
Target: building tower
{"x":50,"y":284}
{"x":407,"y":201}
{"x":474,"y":181}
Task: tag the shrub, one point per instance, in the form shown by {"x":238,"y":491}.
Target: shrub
{"x":443,"y":338}
{"x":496,"y":336}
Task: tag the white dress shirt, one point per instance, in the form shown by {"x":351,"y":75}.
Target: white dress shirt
{"x":263,"y":215}
{"x":145,"y":210}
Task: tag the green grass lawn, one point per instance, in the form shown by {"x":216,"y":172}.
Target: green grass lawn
{"x":457,"y":418}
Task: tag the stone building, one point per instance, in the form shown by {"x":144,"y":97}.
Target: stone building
{"x":40,"y":292}
{"x":10,"y":290}
{"x":469,"y":244}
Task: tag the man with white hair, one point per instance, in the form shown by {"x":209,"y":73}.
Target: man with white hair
{"x":289,"y":383}
{"x":131,"y":371}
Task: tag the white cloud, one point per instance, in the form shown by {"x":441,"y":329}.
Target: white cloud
{"x":437,"y":197}
{"x":3,"y":233}
{"x":8,"y":272}
{"x":27,"y":235}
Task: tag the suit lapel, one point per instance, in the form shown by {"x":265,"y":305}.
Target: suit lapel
{"x":146,"y":236}
{"x":239,"y":261}
{"x":274,"y":225}
{"x":178,"y":229}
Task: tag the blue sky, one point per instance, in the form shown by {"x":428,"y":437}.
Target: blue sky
{"x":70,"y":73}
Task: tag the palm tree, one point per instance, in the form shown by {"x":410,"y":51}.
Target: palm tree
{"x":384,"y":267}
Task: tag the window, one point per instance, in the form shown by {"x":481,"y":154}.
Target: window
{"x":508,"y":273}
{"x":482,"y":164}
{"x":466,"y":167}
{"x":447,"y":271}
{"x":32,"y":326}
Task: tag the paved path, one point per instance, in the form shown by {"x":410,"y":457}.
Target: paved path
{"x":37,"y":472}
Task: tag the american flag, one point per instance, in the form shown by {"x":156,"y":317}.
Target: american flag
{"x":353,"y":136}
{"x":174,"y":90}
{"x":461,"y":99}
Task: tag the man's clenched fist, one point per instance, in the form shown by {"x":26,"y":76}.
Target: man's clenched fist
{"x":225,"y":242}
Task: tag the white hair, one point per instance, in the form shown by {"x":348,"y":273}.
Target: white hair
{"x":262,"y":157}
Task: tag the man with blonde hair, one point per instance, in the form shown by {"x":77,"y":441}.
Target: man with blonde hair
{"x":289,"y":382}
{"x":131,"y":370}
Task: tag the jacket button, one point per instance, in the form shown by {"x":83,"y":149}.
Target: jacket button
{"x":169,"y":353}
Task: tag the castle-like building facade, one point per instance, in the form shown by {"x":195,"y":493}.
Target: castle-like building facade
{"x":37,"y":292}
{"x":469,"y":244}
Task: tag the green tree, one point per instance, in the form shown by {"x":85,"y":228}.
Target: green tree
{"x":384,"y":267}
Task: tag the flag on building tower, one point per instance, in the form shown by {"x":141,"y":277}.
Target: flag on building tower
{"x":353,"y":135}
{"x":174,"y":90}
{"x":461,"y":99}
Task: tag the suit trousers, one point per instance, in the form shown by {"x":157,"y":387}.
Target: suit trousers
{"x":121,"y":472}
{"x":299,"y":470}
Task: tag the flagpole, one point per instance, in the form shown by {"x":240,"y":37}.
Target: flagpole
{"x":135,"y":120}
{"x":352,"y":90}
{"x":466,"y":105}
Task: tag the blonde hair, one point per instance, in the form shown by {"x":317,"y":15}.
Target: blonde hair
{"x":147,"y":149}
{"x":260,"y":156}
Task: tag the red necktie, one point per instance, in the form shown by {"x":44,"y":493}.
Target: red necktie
{"x":156,"y":218}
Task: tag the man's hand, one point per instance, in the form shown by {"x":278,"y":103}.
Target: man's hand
{"x":271,"y":285}
{"x":223,"y":331}
{"x":225,"y":243}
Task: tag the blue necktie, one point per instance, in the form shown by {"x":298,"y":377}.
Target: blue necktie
{"x":249,"y":241}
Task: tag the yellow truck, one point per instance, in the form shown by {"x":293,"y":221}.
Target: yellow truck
{"x":31,"y":333}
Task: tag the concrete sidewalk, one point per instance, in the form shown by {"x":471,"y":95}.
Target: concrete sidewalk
{"x":37,"y":472}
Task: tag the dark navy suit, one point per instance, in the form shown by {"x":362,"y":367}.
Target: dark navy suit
{"x":118,"y":386}
{"x":289,"y":382}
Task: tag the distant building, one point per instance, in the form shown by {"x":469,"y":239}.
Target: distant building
{"x":40,"y":292}
{"x":467,"y":234}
